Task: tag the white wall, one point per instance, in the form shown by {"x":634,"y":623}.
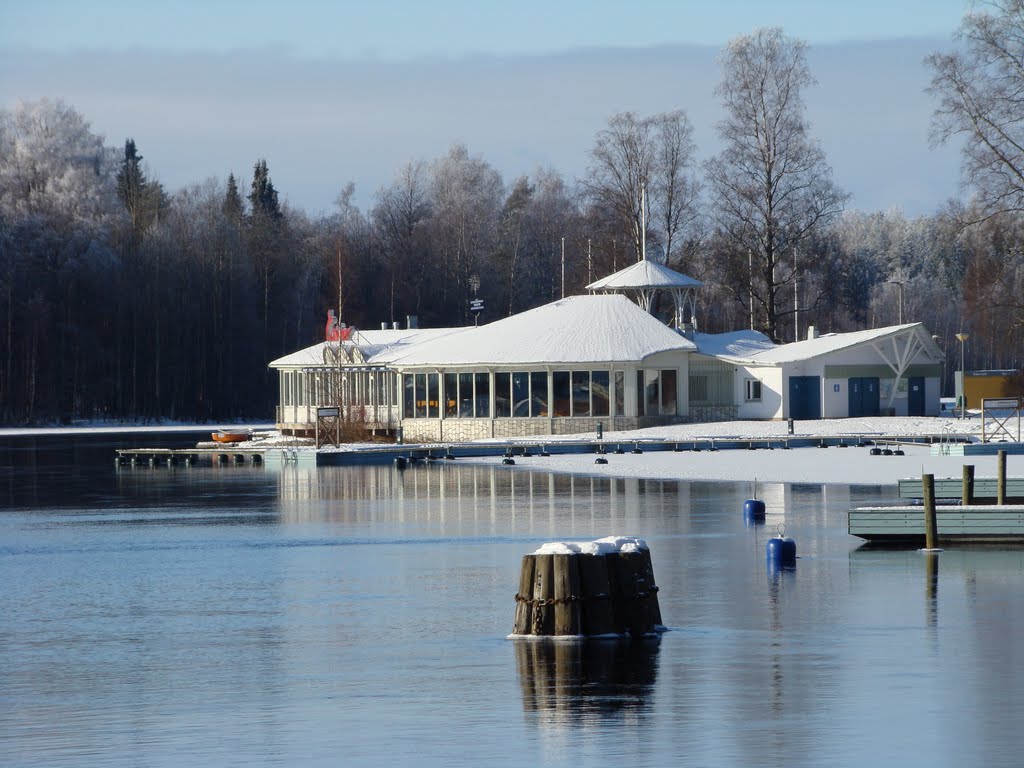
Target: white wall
{"x":771,"y":403}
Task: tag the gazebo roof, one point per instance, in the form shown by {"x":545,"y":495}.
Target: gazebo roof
{"x":644,"y":275}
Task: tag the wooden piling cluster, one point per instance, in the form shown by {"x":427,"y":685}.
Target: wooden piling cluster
{"x":587,"y":595}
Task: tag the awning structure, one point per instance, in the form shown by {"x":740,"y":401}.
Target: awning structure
{"x":898,"y":351}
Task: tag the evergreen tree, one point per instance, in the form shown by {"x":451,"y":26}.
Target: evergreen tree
{"x":263,"y":197}
{"x":143,"y":199}
{"x":232,"y":205}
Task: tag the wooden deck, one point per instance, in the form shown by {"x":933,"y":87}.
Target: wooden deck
{"x":983,"y":523}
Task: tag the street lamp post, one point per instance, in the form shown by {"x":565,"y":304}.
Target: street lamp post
{"x":898,"y":284}
{"x":962,"y":337}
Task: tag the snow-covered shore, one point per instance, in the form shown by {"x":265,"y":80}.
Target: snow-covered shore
{"x":852,"y":465}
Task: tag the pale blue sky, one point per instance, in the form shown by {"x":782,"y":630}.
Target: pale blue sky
{"x":399,"y":29}
{"x":333,"y":92}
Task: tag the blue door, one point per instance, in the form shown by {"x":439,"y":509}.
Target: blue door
{"x":863,"y":397}
{"x":804,"y":397}
{"x":915,"y":396}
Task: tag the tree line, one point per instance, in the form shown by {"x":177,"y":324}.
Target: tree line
{"x":123,"y":300}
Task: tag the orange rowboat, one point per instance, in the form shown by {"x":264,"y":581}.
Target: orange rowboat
{"x":230,"y":437}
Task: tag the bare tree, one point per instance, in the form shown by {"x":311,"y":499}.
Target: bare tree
{"x":979,"y":89}
{"x":771,"y":186}
{"x":400,"y":215}
{"x":655,"y":154}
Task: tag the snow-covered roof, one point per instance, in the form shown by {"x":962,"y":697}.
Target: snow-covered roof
{"x":577,"y":329}
{"x":644,"y":274}
{"x":737,"y":344}
{"x":375,"y":346}
{"x":831,"y":342}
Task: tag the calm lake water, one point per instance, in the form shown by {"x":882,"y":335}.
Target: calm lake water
{"x":359,"y":616}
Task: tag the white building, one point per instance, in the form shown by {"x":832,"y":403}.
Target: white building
{"x":570,"y":365}
{"x":892,"y":371}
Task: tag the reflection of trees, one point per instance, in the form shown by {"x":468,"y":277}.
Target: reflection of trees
{"x":578,"y":678}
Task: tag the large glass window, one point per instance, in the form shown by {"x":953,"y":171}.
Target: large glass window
{"x":420,"y":384}
{"x":620,"y":393}
{"x":539,"y":393}
{"x":466,"y":395}
{"x":483,"y":395}
{"x":668,"y":392}
{"x":502,"y":395}
{"x":640,"y":410}
{"x":581,"y":393}
{"x":451,"y":394}
{"x":651,"y":392}
{"x":408,"y":396}
{"x":521,"y":394}
{"x":433,"y":397}
{"x":561,"y":393}
{"x":599,"y":393}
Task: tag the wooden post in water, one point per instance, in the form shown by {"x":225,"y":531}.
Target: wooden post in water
{"x":1001,"y":478}
{"x":524,"y":598}
{"x":931,"y":529}
{"x":580,"y":593}
{"x":968,"y":485}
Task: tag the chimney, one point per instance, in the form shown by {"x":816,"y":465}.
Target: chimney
{"x":812,"y":332}
{"x":412,"y":322}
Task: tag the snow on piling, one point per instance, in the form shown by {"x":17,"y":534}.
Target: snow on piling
{"x":587,"y":589}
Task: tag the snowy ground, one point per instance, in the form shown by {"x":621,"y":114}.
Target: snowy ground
{"x":801,"y":465}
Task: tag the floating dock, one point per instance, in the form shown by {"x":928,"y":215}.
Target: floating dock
{"x":245,"y":453}
{"x":956,"y":524}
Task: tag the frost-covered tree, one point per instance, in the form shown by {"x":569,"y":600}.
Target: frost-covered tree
{"x":466,"y":199}
{"x":636,"y":157}
{"x":979,"y":89}
{"x":771,"y":185}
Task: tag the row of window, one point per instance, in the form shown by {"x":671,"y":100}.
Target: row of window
{"x":532,"y":394}
{"x":366,"y":388}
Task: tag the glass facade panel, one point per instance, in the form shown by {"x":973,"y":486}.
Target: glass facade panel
{"x":640,"y":401}
{"x":668,"y":392}
{"x":408,"y":396}
{"x":482,"y":395}
{"x":620,"y":393}
{"x":502,"y":395}
{"x":561,"y":393}
{"x":539,"y":393}
{"x":651,"y":397}
{"x":599,"y":393}
{"x":521,"y":394}
{"x":433,"y":397}
{"x":451,"y":395}
{"x":420,"y":395}
{"x":581,"y":393}
{"x":466,"y":395}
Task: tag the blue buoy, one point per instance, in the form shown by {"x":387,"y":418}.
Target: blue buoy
{"x":508,"y":460}
{"x":781,"y":550}
{"x":753,"y":509}
{"x":600,"y":460}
